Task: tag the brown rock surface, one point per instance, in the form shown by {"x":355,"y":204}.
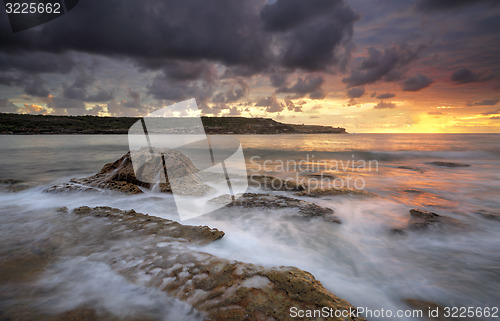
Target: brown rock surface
{"x":120,"y":175}
{"x":220,"y":288}
{"x":255,"y":200}
{"x":421,"y":220}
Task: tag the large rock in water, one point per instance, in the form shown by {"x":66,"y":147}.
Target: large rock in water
{"x":256,"y":200}
{"x":220,"y":288}
{"x":120,"y":175}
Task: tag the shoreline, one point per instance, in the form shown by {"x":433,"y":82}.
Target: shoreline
{"x":26,"y":124}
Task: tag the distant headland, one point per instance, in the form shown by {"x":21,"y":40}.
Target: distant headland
{"x":22,"y":124}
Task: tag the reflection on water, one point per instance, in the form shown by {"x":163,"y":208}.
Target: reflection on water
{"x":359,"y":260}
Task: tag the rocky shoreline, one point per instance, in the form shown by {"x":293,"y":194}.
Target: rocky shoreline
{"x":217,"y":288}
{"x":171,"y":258}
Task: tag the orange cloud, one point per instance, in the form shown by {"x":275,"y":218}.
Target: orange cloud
{"x":33,"y":109}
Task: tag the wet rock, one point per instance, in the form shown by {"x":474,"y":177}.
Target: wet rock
{"x":275,"y":184}
{"x":448,"y":164}
{"x":13,"y":185}
{"x":422,"y":220}
{"x":322,"y":176}
{"x":219,"y":288}
{"x":490,"y":215}
{"x":320,"y":192}
{"x":253,"y":200}
{"x":120,"y":175}
{"x":145,"y":224}
{"x":415,"y":169}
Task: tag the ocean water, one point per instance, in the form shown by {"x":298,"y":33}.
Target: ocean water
{"x":359,"y":260}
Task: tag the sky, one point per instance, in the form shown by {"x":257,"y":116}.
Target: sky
{"x":398,"y":66}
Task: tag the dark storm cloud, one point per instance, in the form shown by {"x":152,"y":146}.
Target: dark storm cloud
{"x":387,"y":65}
{"x":309,"y":85}
{"x":271,"y":103}
{"x":278,"y":79}
{"x":465,"y":75}
{"x":163,"y":87}
{"x":235,"y":92}
{"x":132,"y":106}
{"x":416,"y":83}
{"x":309,"y":31}
{"x":31,"y":85}
{"x":36,"y":62}
{"x":6,"y":106}
{"x":286,"y":14}
{"x":79,"y":90}
{"x":36,"y":87}
{"x":63,"y":105}
{"x":428,"y":5}
{"x":384,"y":105}
{"x":385,"y":96}
{"x":227,"y":31}
{"x":356,"y":92}
{"x":485,"y":102}
{"x":181,"y":70}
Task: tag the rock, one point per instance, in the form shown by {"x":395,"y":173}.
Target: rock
{"x":219,"y":288}
{"x":306,"y":209}
{"x":413,"y":191}
{"x":320,"y":192}
{"x":275,"y":184}
{"x":490,"y":215}
{"x":322,"y":176}
{"x":120,"y":175}
{"x":145,"y":224}
{"x":421,"y":220}
{"x":448,"y":164}
{"x":13,"y":185}
{"x":416,"y":169}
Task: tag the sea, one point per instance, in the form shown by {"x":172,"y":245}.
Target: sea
{"x":362,"y":260}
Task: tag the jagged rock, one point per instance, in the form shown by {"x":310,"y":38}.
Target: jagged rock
{"x":275,"y":184}
{"x":421,"y":219}
{"x":120,"y":175}
{"x":448,"y":164}
{"x":319,"y":192}
{"x":13,"y":185}
{"x":219,"y":288}
{"x":252,"y":200}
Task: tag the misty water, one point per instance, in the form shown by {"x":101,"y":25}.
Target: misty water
{"x":359,"y":260}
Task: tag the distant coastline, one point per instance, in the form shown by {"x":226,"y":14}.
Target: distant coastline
{"x":23,"y":124}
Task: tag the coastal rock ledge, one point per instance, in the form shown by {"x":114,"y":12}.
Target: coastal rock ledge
{"x":220,"y":289}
